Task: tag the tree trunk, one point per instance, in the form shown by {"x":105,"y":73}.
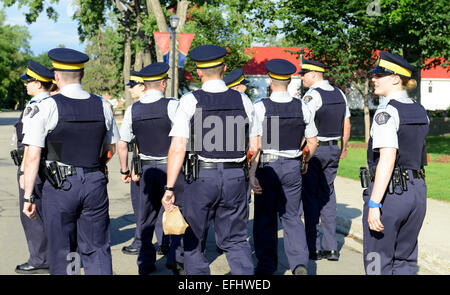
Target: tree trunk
{"x":146,"y":56}
{"x":127,"y":65}
{"x":154,"y":6}
{"x":138,"y":60}
{"x":412,"y":55}
{"x":366,"y":111}
{"x":182,"y":8}
{"x":127,"y":50}
{"x":363,"y":89}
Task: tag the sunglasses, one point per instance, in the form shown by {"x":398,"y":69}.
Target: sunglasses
{"x":29,"y":81}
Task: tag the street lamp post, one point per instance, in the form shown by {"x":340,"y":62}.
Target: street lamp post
{"x":301,"y":65}
{"x":174,"y":19}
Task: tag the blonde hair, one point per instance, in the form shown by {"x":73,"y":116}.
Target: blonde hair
{"x":409,"y":84}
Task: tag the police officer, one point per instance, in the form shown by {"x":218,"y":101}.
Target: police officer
{"x":149,"y":120}
{"x":236,"y":80}
{"x":76,"y":129}
{"x":219,"y":192}
{"x":332,"y":118}
{"x":277,"y":183}
{"x":392,"y":219}
{"x":38,"y":81}
{"x":136,"y":89}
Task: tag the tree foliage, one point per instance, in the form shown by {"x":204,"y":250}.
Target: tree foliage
{"x":223,"y":25}
{"x":14,"y":55}
{"x":103,"y":72}
{"x":345,"y":35}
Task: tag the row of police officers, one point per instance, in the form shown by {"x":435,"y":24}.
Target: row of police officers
{"x":204,"y":153}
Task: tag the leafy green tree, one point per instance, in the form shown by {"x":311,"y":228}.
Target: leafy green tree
{"x":221,"y":25}
{"x":104,"y":69}
{"x":345,"y":34}
{"x":14,"y":55}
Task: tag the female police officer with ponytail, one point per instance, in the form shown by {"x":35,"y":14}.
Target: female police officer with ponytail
{"x":394,"y":212}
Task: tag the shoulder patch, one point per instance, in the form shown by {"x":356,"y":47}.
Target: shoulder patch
{"x":27,"y":111}
{"x":382,"y":118}
{"x":35,"y":111}
{"x":307,"y":98}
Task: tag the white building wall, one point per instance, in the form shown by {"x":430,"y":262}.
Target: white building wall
{"x":259,"y":83}
{"x":436,"y":98}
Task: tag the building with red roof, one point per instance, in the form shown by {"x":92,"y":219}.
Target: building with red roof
{"x":435,"y":86}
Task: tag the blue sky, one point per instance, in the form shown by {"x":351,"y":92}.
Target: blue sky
{"x":45,"y":33}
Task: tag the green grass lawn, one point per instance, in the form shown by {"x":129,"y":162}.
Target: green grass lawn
{"x":437,"y":174}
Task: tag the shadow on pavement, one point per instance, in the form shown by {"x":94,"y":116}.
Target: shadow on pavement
{"x":118,"y":234}
{"x":8,"y":121}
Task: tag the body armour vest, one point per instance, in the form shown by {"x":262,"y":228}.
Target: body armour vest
{"x":219,"y":127}
{"x":78,"y":136}
{"x":329,"y":117}
{"x":151,"y":126}
{"x":289,"y":129}
{"x":19,"y":129}
{"x":413,"y":129}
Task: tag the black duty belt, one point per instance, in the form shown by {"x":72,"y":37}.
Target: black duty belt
{"x":226,"y":165}
{"x":420,"y":173}
{"x":268,"y":158}
{"x":417,"y":174}
{"x":150,"y":162}
{"x":330,"y":142}
{"x":71,"y":170}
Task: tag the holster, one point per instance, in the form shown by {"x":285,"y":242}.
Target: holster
{"x":364,"y":176}
{"x":52,"y":174}
{"x":195,"y":166}
{"x":17,"y":156}
{"x":246,"y":169}
{"x":302,"y":162}
{"x":137,"y":165}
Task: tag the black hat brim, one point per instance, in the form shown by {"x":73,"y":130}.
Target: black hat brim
{"x":379,"y":70}
{"x":303,"y":72}
{"x":25,"y":77}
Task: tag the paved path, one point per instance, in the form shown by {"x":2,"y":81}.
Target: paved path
{"x":433,"y":243}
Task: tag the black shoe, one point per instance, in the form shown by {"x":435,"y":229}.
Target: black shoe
{"x":129,"y":250}
{"x":178,"y":270}
{"x":220,"y":251}
{"x":147,"y":271}
{"x":332,"y":255}
{"x":163,"y":250}
{"x":29,"y":269}
{"x":300,"y":271}
{"x":316,"y":255}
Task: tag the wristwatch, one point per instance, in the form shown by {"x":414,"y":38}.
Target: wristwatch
{"x":168,"y":188}
{"x":125,"y":173}
{"x":30,"y":200}
{"x":373,"y":204}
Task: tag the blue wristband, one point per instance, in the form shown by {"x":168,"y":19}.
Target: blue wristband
{"x":373,"y":204}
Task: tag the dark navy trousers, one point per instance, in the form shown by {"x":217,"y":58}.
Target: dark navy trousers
{"x":319,"y":198}
{"x":135,"y":202}
{"x":402,"y":215}
{"x":220,"y":195}
{"x":77,"y":218}
{"x":151,"y":190}
{"x":34,"y":228}
{"x":134,"y":193}
{"x":281,"y":184}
